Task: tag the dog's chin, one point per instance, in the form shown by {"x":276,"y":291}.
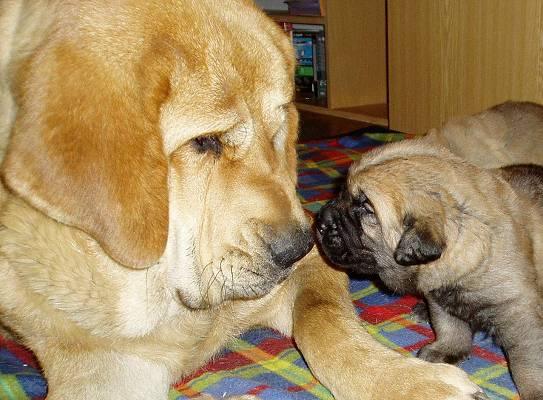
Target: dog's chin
{"x":248,"y":288}
{"x":363,"y":269}
{"x":352,"y":260}
{"x":190,"y":302}
{"x":359,"y":268}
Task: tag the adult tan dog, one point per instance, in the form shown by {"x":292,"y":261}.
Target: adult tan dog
{"x":152,"y":211}
{"x":469,"y":240}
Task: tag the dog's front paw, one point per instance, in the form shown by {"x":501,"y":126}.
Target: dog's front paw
{"x":438,"y":354}
{"x":410,"y":378}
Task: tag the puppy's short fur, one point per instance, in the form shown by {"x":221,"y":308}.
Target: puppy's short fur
{"x":152,"y":211}
{"x":506,"y":134}
{"x":470,"y":240}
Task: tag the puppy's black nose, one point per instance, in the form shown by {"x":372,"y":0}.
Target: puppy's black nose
{"x":326,"y":218}
{"x":327,"y":224}
{"x":291,"y":247}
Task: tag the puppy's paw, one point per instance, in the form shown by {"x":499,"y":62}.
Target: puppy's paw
{"x":438,"y":354}
{"x":421,"y":312}
{"x":415,"y":379}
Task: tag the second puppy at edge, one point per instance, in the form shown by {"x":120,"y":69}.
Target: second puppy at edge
{"x":469,"y":240}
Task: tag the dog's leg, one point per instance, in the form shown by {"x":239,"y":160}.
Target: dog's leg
{"x":102,"y":375}
{"x":522,"y":339}
{"x":453,"y":337}
{"x":421,"y":312}
{"x":344,"y":356}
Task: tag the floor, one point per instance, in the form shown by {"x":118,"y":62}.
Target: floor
{"x":317,"y":126}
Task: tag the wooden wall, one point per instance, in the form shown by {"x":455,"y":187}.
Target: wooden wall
{"x":455,"y":57}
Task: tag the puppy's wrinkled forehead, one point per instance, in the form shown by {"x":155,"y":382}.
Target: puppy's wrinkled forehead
{"x":230,"y":81}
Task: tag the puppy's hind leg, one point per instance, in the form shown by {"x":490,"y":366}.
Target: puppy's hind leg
{"x":522,"y":338}
{"x":453,"y":337}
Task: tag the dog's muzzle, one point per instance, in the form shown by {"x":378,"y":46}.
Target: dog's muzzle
{"x":339,"y":234}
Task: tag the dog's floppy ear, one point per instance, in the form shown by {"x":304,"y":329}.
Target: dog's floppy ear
{"x":86,"y":150}
{"x":422,"y":241}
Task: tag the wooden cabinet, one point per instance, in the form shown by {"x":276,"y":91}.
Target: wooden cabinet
{"x":355,"y":37}
{"x":457,"y":57}
{"x":413,"y":64}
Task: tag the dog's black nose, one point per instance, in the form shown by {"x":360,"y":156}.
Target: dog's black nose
{"x":291,"y":247}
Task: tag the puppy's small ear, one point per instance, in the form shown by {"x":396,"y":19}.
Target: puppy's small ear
{"x":86,"y":149}
{"x":422,"y":242}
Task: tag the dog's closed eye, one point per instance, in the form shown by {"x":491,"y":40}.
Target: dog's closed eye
{"x":363,"y":208}
{"x":363,"y":205}
{"x":208,"y":144}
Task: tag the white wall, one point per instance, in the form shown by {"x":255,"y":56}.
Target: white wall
{"x":272,"y":4}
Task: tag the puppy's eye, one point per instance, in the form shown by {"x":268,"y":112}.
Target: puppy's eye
{"x":362,"y":204}
{"x":207,"y":144}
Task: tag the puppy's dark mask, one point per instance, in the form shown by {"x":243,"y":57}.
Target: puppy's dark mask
{"x":340,"y":232}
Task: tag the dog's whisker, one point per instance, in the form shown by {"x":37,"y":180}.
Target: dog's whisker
{"x":221,"y":295}
{"x":260,"y":275}
{"x":210,"y":283}
{"x":202,"y":294}
{"x":233,"y":283}
{"x":253,"y":290}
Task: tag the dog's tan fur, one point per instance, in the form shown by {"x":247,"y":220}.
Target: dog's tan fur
{"x":468,"y":239}
{"x":508,"y":133}
{"x":151,"y":175}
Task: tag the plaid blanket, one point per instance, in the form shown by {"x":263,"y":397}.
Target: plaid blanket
{"x":263,"y":362}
